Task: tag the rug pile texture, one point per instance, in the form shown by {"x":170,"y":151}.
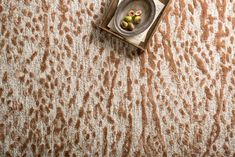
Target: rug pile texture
{"x":69,"y":89}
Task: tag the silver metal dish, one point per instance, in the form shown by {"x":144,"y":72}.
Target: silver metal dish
{"x":148,"y":13}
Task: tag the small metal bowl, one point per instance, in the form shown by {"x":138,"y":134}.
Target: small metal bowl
{"x":148,"y":13}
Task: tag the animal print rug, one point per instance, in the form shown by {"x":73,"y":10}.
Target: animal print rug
{"x":69,"y":89}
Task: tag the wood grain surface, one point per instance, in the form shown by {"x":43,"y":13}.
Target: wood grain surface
{"x":69,"y":89}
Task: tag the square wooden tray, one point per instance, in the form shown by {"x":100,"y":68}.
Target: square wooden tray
{"x":110,"y":13}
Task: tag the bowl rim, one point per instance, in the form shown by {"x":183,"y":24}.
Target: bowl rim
{"x":143,"y":28}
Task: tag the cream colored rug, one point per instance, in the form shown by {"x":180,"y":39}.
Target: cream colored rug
{"x":68,"y":89}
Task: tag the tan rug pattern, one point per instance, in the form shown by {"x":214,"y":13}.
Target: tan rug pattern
{"x":68,"y":89}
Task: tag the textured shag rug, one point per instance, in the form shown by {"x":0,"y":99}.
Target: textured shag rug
{"x":69,"y":89}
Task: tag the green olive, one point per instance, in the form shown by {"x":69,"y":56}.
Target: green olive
{"x":124,"y":24}
{"x":131,"y":26}
{"x":137,"y":19}
{"x":128,"y":18}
